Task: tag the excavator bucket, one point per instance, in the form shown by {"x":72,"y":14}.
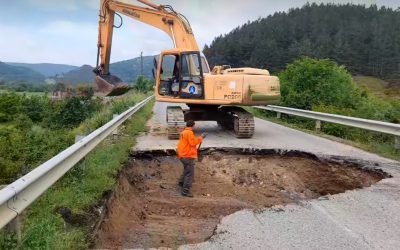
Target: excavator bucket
{"x":111,"y":85}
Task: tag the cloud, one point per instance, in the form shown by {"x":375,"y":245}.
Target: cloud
{"x":17,"y":46}
{"x":92,"y":4}
{"x":70,"y":43}
{"x":69,"y":29}
{"x":49,"y":5}
{"x":65,"y":31}
{"x":134,"y":37}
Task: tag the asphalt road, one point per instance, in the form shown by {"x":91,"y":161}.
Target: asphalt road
{"x":360,"y":219}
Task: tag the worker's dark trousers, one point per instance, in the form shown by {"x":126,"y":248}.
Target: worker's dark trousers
{"x":188,"y":174}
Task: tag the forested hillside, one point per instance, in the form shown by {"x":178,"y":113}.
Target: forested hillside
{"x":130,"y":70}
{"x":46,"y":69}
{"x":81,"y":75}
{"x":14,"y":74}
{"x":365,"y":40}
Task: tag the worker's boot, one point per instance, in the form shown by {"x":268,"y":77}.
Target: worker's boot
{"x":187,"y":194}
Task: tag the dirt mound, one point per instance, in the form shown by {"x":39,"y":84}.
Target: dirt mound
{"x":147,"y":210}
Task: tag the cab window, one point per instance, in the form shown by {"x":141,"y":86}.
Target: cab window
{"x":167,"y":67}
{"x":204,"y":65}
{"x":190,"y":65}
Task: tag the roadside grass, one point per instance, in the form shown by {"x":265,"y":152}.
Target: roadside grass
{"x":79,"y":190}
{"x":25,"y":93}
{"x":32,"y":93}
{"x":378,"y":87}
{"x":364,"y":140}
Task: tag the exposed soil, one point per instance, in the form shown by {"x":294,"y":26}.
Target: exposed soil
{"x":147,"y":210}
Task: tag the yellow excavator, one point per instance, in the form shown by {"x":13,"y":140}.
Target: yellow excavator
{"x":182,"y":74}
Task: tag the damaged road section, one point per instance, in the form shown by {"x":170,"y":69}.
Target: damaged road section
{"x":146,"y":209}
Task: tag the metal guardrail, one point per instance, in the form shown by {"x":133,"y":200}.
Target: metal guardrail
{"x":377,"y":126}
{"x":15,"y":197}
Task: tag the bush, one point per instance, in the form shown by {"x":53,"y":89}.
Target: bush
{"x":309,"y":82}
{"x":322,"y":85}
{"x":143,"y":84}
{"x":71,"y":112}
{"x":35,"y":107}
{"x":33,"y":129}
{"x":10,"y":105}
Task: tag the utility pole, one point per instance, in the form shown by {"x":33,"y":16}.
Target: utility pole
{"x":141,"y":63}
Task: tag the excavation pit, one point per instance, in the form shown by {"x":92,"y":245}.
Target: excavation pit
{"x":146,"y":209}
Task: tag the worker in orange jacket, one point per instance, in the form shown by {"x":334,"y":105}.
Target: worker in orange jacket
{"x":187,"y":153}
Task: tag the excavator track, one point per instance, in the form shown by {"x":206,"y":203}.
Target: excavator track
{"x":240,"y":121}
{"x":175,"y":121}
{"x":243,"y":123}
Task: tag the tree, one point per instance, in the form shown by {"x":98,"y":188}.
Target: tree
{"x":311,"y":82}
{"x":59,"y":87}
{"x":143,"y":85}
{"x":84,"y":90}
{"x":10,"y":105}
{"x":366,"y":40}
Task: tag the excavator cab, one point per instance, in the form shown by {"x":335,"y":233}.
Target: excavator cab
{"x":180,"y":75}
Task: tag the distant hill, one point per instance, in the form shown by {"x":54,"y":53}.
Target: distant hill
{"x":46,"y":69}
{"x":14,"y":74}
{"x":81,"y":75}
{"x":364,"y":39}
{"x":127,"y":70}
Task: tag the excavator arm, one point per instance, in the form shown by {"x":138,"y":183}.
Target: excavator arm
{"x":162,"y":17}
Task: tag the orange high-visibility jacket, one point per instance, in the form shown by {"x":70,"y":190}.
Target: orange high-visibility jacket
{"x":187,"y":145}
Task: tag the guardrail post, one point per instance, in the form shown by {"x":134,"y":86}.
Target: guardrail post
{"x":278,"y":115}
{"x":115,"y":132}
{"x":318,"y":125}
{"x":397,"y":142}
{"x":14,"y":227}
{"x":81,"y":163}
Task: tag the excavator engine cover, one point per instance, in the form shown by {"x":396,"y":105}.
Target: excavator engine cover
{"x":111,"y":85}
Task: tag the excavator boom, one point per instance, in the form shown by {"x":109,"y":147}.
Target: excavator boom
{"x":162,"y":17}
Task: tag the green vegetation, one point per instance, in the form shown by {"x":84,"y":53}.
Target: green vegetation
{"x":308,"y":83}
{"x":143,"y":84}
{"x":81,"y":75}
{"x":10,"y":73}
{"x":365,"y":39}
{"x":129,"y":70}
{"x":31,"y":76}
{"x":82,"y":187}
{"x":323,"y":86}
{"x":23,"y":86}
{"x":33,"y":129}
{"x":379,"y":88}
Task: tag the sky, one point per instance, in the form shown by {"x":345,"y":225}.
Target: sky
{"x":65,"y":31}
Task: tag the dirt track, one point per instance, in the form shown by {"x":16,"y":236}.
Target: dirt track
{"x":146,"y":209}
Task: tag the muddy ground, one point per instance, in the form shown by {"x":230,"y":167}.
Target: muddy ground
{"x":146,"y":209}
